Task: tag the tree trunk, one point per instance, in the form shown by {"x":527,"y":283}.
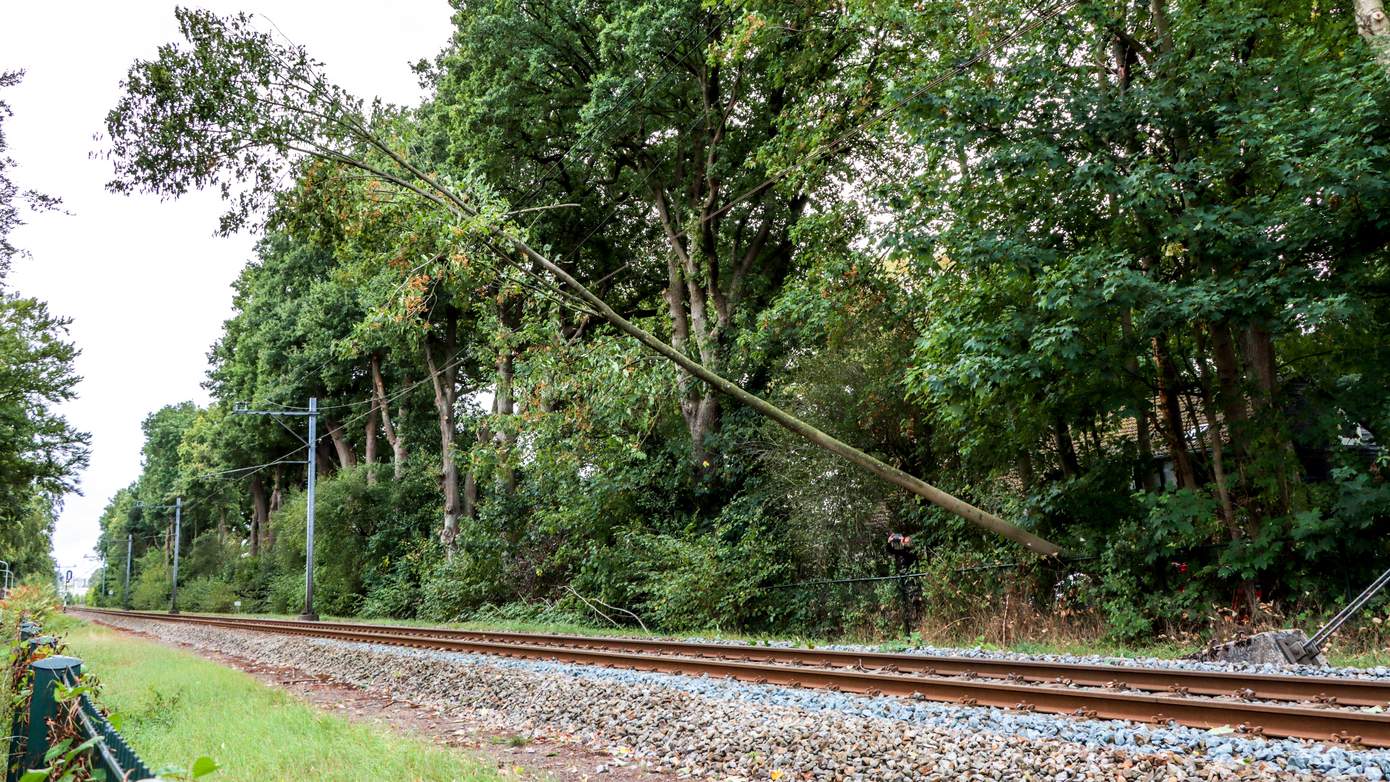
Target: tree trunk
{"x":1024,"y":465}
{"x":1258,"y":346}
{"x":1259,"y":355}
{"x":260,"y":513}
{"x":277,"y":501}
{"x":369,"y":441}
{"x":324,"y":453}
{"x":504,"y":400}
{"x":1066,"y":450}
{"x":1230,"y":394}
{"x":1174,"y":432}
{"x":1218,"y":467}
{"x":383,"y":408}
{"x":347,"y":456}
{"x":1374,"y":27}
{"x":443,"y":376}
{"x":1143,"y":408}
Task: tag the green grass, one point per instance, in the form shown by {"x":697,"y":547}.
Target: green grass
{"x":175,"y":706}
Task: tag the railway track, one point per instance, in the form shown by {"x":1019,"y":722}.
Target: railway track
{"x":1306,"y":707}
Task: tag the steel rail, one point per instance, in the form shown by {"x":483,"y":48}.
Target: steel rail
{"x":1246,"y":686}
{"x":1371,"y":729}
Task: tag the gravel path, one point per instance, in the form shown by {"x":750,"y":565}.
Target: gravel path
{"x":719,"y":729}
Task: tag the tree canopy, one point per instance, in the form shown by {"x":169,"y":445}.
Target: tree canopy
{"x":665,"y":303}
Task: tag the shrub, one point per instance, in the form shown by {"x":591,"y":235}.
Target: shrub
{"x":36,"y":598}
{"x":151,"y":586}
{"x":208,"y":594}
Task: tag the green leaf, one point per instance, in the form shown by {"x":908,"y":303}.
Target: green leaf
{"x":57,"y":750}
{"x":203,"y":766}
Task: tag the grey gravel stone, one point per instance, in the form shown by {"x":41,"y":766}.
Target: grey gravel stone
{"x":725,"y":729}
{"x":1379,"y":672}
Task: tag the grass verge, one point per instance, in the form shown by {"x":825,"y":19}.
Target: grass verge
{"x":175,"y":706}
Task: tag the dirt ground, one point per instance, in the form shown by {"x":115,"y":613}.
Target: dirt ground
{"x":541,"y":758}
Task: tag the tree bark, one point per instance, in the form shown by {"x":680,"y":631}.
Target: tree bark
{"x":260,"y":513}
{"x":1066,"y":449}
{"x":1259,"y":355}
{"x":1230,"y":394}
{"x":1374,"y":27}
{"x":504,"y":400}
{"x":347,"y":456}
{"x":443,"y":377}
{"x":393,"y":437}
{"x":1258,"y":346}
{"x":277,"y":501}
{"x":324,"y":453}
{"x":1213,"y":441}
{"x":369,"y":446}
{"x":1024,"y":466}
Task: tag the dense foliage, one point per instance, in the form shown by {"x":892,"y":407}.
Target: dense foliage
{"x":1115,"y":272}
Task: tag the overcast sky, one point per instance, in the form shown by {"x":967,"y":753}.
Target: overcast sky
{"x":146,"y":283}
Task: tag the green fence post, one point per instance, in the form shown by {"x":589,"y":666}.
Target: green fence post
{"x":32,"y":641}
{"x":44,"y":706}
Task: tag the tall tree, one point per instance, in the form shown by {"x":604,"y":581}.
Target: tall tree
{"x":163,"y":139}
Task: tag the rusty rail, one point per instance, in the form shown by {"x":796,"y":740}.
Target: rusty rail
{"x":1105,"y":693}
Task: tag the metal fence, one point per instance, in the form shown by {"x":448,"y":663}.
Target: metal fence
{"x":29,"y":746}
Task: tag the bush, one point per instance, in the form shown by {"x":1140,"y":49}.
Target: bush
{"x":286,"y":594}
{"x":208,"y":594}
{"x":396,"y":597}
{"x":694,"y":579}
{"x":151,"y":586}
{"x":458,"y":586}
{"x":36,"y":597}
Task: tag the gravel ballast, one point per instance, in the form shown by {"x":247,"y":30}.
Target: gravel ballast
{"x":1166,"y":663}
{"x":724,"y":729}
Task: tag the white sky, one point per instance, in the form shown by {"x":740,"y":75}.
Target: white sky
{"x":146,"y":283}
